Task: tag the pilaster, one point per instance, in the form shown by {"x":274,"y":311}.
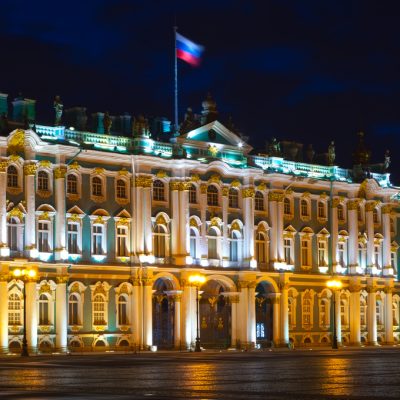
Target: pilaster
{"x":389,"y":312}
{"x":4,"y":248}
{"x":352,"y":207}
{"x":386,"y":245}
{"x":3,"y":314}
{"x":334,"y":236}
{"x":61,"y":314}
{"x":60,"y":217}
{"x":371,"y":320}
{"x":355,"y":319}
{"x":30,"y":220}
{"x":248,"y":218}
{"x":31,"y":315}
{"x":369,"y":224}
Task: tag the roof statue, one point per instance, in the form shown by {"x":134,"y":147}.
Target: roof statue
{"x":274,"y":148}
{"x":140,"y":127}
{"x":386,"y":163}
{"x":310,"y":152}
{"x":209,"y":112}
{"x":189,"y":122}
{"x":58,"y":109}
{"x":331,"y":153}
{"x":107,"y":123}
{"x":362,"y":155}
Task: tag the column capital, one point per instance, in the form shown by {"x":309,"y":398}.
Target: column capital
{"x":60,"y":172}
{"x":353,"y":288}
{"x":335,"y":202}
{"x":370,"y":205}
{"x":371,"y":289}
{"x":4,"y":277}
{"x":3,"y":165}
{"x":225,"y":191}
{"x":274,"y":195}
{"x":242,"y":285}
{"x":30,"y":169}
{"x":144,"y":181}
{"x":135,"y":281}
{"x":62,"y":279}
{"x":248,"y":192}
{"x":388,"y":289}
{"x":174,"y":185}
{"x":386,"y":208}
{"x":352,"y":204}
{"x":147,"y":281}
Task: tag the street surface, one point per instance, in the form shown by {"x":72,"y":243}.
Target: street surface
{"x":300,"y":374}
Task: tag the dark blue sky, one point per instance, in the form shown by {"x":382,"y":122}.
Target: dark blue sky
{"x":311,"y":71}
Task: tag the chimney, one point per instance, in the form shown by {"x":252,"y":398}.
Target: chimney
{"x":3,"y":104}
{"x":24,"y":109}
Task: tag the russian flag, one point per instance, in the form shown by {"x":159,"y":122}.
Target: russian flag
{"x":188,"y":51}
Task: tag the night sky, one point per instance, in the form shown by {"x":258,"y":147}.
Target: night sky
{"x":311,"y":71}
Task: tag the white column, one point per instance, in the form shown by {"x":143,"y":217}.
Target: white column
{"x":31,"y":316}
{"x":184,"y":230}
{"x":3,"y":314}
{"x":251,"y":324}
{"x":284,"y":315}
{"x":386,"y":245}
{"x":186,"y":315}
{"x":355,"y":315}
{"x":148,"y":233}
{"x":175,"y":236}
{"x":60,"y":228}
{"x":334,"y":235}
{"x":372,"y":326}
{"x":4,"y":248}
{"x":369,"y":225}
{"x":234,"y":300}
{"x":248,"y":218}
{"x":136,"y":314}
{"x":279,"y":228}
{"x":337,"y":315}
{"x":193,"y":312}
{"x":273,"y":218}
{"x":276,"y":323}
{"x":352,"y":207}
{"x":138,"y":218}
{"x":225,"y":243}
{"x":147,"y":313}
{"x":177,"y":320}
{"x":61,"y":314}
{"x":389,"y":315}
{"x":203,"y":230}
{"x":30,"y":220}
{"x":243,"y":314}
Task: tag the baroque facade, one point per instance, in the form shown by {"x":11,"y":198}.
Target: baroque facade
{"x":116,"y":225}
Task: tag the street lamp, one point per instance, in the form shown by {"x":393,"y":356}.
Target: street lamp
{"x":335,"y":285}
{"x":197,"y":280}
{"x":26,"y":275}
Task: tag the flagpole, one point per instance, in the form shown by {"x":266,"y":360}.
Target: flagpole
{"x":176,"y":87}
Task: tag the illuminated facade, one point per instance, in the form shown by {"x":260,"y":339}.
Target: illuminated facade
{"x":116,"y":225}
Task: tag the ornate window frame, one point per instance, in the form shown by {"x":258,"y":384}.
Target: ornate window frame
{"x":195,"y":225}
{"x":46,"y":288}
{"x":288,"y":243}
{"x":74,"y":196}
{"x":322,"y":204}
{"x":215,"y":227}
{"x":99,"y":218}
{"x":45,"y":215}
{"x":163,"y":190}
{"x":344,"y":305}
{"x":343,"y":238}
{"x":306,"y":235}
{"x":307,"y":309}
{"x":396,"y":311}
{"x":324,"y":301}
{"x":15,"y":287}
{"x":77,"y":288}
{"x":101,"y":289}
{"x":305,"y":205}
{"x":16,"y":162}
{"x":322,"y":247}
{"x":193,"y":188}
{"x":236,"y":235}
{"x":125,"y":180}
{"x":124,"y":289}
{"x":123,"y":221}
{"x":100,"y":174}
{"x":289,"y":199}
{"x":292,"y":307}
{"x":341,"y":221}
{"x":44,"y":168}
{"x":161,"y":220}
{"x":216,"y":194}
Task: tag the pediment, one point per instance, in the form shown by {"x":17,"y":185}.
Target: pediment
{"x":216,"y":133}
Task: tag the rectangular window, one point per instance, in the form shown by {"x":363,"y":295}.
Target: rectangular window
{"x":72,"y":241}
{"x":305,"y":258}
{"x":377,"y":253}
{"x":341,"y":250}
{"x":43,"y":237}
{"x":287,"y":248}
{"x":97,"y":239}
{"x":322,"y":253}
{"x":122,"y":237}
{"x":260,"y":330}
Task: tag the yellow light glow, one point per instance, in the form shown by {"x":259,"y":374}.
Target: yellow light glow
{"x":334,"y":284}
{"x":32,"y":273}
{"x":17,"y":272}
{"x":197,"y":279}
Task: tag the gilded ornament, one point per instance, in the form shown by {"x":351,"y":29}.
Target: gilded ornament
{"x":215,"y":221}
{"x":30,"y":169}
{"x":99,"y":220}
{"x":306,"y":195}
{"x":225,"y":191}
{"x":100,"y":290}
{"x":213,"y":150}
{"x":386,"y":209}
{"x":235,"y":226}
{"x":235,"y":183}
{"x":74,"y":165}
{"x":234,"y":299}
{"x":323,"y":195}
{"x":242,"y":285}
{"x":45,"y":163}
{"x":203,"y":188}
{"x":44,"y":216}
{"x":160,"y":220}
{"x":123,"y":221}
{"x":59,"y":172}
{"x":144,"y":181}
{"x":215,"y":178}
{"x":370,"y":205}
{"x":174,"y":185}
{"x":388,"y":289}
{"x":352,"y":204}
{"x":184,"y":186}
{"x":74,"y":218}
{"x":45,"y":288}
{"x":3,"y":166}
{"x":262,"y":186}
{"x":248,"y":192}
{"x":195,"y":178}
{"x":147,"y":281}
{"x":161,"y":174}
{"x":335,"y":202}
{"x":276,"y":196}
{"x":123,"y":172}
{"x":16,"y":212}
{"x":43,"y":193}
{"x":135,"y":281}
{"x":16,"y":144}
{"x":62,"y":279}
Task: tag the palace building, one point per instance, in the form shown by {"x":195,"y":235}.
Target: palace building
{"x":114,"y":221}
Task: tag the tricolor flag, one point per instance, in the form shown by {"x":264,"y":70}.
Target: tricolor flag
{"x":188,"y":51}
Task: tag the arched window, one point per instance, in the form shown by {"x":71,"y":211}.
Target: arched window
{"x":158,"y":191}
{"x":340,"y":212}
{"x":97,"y":187}
{"x":193,"y":243}
{"x":322,"y":253}
{"x":72,"y":184}
{"x":304,"y":208}
{"x":321,"y":210}
{"x":212,"y":195}
{"x":259,"y":201}
{"x":121,"y":189}
{"x":287,"y":209}
{"x":122,"y":241}
{"x":43,"y":180}
{"x":99,"y":310}
{"x":14,"y":309}
{"x":233,"y":198}
{"x":13,"y":234}
{"x":159,"y":241}
{"x":212,"y":244}
{"x":234,"y":247}
{"x":44,"y":310}
{"x":261,"y":248}
{"x":324,"y":312}
{"x":122,"y":310}
{"x":12,"y":177}
{"x":73,"y":309}
{"x":192,"y":194}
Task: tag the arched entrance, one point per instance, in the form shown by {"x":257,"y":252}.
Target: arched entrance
{"x":215,"y":316}
{"x":264,"y":314}
{"x":163,"y":315}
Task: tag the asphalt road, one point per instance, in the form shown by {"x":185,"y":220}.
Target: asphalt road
{"x":309,"y":374}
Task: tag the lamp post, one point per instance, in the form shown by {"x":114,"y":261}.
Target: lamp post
{"x":335,"y":285}
{"x":197,"y":280}
{"x":25,"y":275}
